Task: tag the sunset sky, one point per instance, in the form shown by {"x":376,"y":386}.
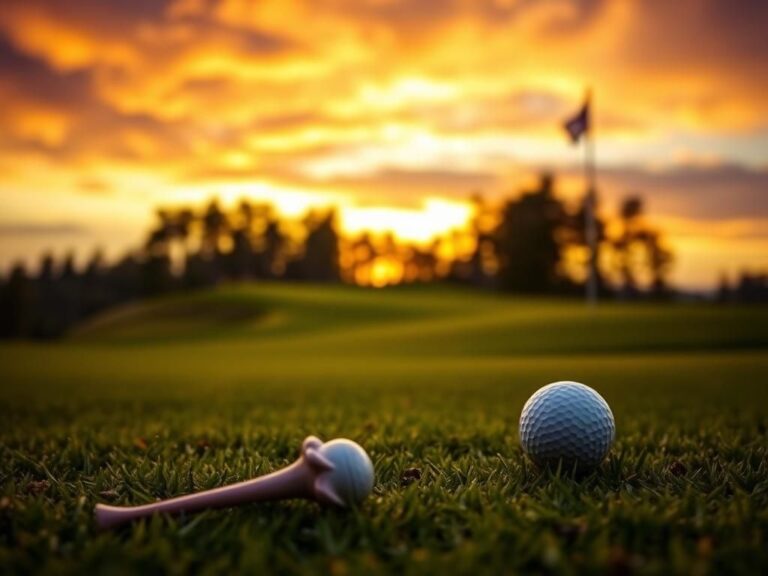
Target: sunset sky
{"x":393,"y":110}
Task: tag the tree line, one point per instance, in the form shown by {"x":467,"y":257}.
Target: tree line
{"x":532,"y":244}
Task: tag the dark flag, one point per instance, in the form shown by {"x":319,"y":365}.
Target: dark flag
{"x":579,"y":124}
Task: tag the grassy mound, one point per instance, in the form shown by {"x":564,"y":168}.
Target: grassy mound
{"x":426,"y":321}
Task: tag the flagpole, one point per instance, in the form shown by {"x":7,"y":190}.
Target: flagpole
{"x":590,"y":177}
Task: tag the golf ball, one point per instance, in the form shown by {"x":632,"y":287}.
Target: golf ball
{"x":352,"y":477}
{"x":568,"y":422}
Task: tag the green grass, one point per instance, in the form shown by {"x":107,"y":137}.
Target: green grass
{"x":190,"y":393}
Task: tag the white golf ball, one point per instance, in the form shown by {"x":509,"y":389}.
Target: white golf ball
{"x":352,"y":478}
{"x":567,"y":422}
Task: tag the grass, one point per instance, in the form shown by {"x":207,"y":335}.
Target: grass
{"x":189,"y":393}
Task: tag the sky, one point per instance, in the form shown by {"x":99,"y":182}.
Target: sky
{"x":395,"y":111}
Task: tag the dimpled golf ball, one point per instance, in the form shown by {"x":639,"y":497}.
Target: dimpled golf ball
{"x":567,"y":422}
{"x":352,"y":477}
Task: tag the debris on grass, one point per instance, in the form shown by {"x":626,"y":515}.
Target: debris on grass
{"x":36,"y":487}
{"x":409,"y":476}
{"x":677,"y":468}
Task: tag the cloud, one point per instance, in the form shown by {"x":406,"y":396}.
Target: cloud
{"x":201,"y":80}
{"x":56,"y":114}
{"x":38,"y":82}
{"x":696,"y":192}
{"x":405,"y":187}
{"x":40,"y":105}
{"x":705,"y":34}
{"x":36,"y":229}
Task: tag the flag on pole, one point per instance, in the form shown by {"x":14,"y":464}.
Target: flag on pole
{"x":579,"y":124}
{"x":578,"y":128}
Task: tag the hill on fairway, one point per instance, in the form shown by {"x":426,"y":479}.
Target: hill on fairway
{"x":195,"y":391}
{"x":430,"y":321}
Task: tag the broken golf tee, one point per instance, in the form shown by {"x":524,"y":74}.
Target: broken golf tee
{"x":338,"y":472}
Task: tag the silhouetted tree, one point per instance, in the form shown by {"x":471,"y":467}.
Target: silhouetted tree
{"x":420,"y":265}
{"x":159,"y":240}
{"x":96,"y":295}
{"x":18,"y":305}
{"x":70,"y":291}
{"x":156,"y":276}
{"x":273,"y":255}
{"x":724,"y":290}
{"x":49,"y":317}
{"x":575,"y":235}
{"x":124,"y":280}
{"x":247,"y":213}
{"x":360,"y":254}
{"x":640,"y":249}
{"x":241,"y":259}
{"x":659,"y":262}
{"x":483,"y":262}
{"x":185,"y":220}
{"x":528,"y":241}
{"x":215,"y":225}
{"x":156,"y":266}
{"x":320,"y":261}
{"x":752,"y":288}
{"x":628,"y":244}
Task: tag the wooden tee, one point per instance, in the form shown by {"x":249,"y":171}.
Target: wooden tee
{"x":338,"y":472}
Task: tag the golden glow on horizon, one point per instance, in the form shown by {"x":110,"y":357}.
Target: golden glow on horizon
{"x":437,"y":217}
{"x":383,"y":272}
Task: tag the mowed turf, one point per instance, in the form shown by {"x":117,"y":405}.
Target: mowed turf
{"x":188,"y":393}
